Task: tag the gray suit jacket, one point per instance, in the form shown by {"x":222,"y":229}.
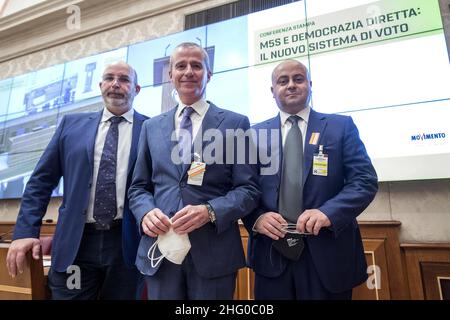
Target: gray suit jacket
{"x":231,"y":189}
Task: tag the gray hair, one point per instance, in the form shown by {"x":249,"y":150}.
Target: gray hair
{"x":191,"y":45}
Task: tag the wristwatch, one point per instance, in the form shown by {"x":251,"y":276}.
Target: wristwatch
{"x":211,"y":213}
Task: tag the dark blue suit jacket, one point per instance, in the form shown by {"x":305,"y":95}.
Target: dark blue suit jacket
{"x":70,"y":155}
{"x":350,"y":186}
{"x":231,"y":189}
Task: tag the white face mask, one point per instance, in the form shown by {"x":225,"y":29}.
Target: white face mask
{"x":173,"y":247}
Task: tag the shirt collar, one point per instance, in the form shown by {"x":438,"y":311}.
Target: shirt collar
{"x":304,"y":114}
{"x":127,"y":115}
{"x":199,"y":107}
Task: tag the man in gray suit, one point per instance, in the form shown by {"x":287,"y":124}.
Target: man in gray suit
{"x":198,"y":201}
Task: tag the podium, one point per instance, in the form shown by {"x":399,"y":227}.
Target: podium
{"x":29,"y":285}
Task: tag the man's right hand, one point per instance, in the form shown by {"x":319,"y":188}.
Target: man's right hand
{"x":155,"y":222}
{"x":16,"y":257}
{"x":270,"y":224}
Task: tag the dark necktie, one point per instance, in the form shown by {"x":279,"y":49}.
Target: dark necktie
{"x":185,"y":138}
{"x":291,"y":190}
{"x":105,"y":203}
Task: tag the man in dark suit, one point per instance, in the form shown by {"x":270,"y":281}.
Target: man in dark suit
{"x":304,"y":238}
{"x":95,"y":241}
{"x":197,"y":199}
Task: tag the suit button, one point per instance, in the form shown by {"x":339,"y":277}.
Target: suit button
{"x":90,"y":185}
{"x":84,"y":211}
{"x":182,"y":184}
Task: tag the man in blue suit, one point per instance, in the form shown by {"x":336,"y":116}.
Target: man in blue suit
{"x":198,"y":200}
{"x":90,"y":259}
{"x":336,"y":182}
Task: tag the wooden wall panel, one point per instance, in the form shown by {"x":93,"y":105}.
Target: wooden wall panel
{"x":246,"y":277}
{"x":377,"y":285}
{"x":428,"y":269}
{"x":416,"y":271}
{"x":7,"y":228}
{"x":436,"y":280}
{"x":382,"y":249}
{"x":388,"y":231}
{"x":26,"y":286}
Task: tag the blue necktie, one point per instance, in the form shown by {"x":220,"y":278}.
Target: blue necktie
{"x":105,"y":203}
{"x":291,"y":190}
{"x":185,"y":141}
{"x":185,"y":138}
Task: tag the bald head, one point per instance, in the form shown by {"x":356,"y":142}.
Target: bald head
{"x":119,"y":87}
{"x":289,"y":63}
{"x":291,"y":86}
{"x":123,"y":64}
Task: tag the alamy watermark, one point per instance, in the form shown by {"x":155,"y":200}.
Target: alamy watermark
{"x":74,"y":20}
{"x":234,"y":146}
{"x":74,"y":280}
{"x":374,"y":279}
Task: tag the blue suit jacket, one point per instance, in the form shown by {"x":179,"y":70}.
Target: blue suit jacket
{"x":70,"y":155}
{"x":350,"y":186}
{"x":231,"y":189}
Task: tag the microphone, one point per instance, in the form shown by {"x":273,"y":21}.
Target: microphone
{"x":165,"y":51}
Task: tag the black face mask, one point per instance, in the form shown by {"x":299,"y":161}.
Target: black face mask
{"x":291,"y":246}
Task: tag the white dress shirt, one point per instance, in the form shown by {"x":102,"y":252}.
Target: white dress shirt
{"x":286,"y":126}
{"x":200,"y":109}
{"x":302,"y":123}
{"x":123,"y":155}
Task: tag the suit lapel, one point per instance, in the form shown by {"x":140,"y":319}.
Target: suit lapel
{"x":316,"y":124}
{"x":167,"y":129}
{"x":275,"y":124}
{"x":138,"y":120}
{"x":213,"y":118}
{"x":91,"y":133}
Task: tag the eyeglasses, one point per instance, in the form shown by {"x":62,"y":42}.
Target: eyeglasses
{"x":292,"y":228}
{"x":120,"y":79}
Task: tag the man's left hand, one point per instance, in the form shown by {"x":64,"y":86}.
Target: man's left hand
{"x":312,"y":221}
{"x":190,"y":218}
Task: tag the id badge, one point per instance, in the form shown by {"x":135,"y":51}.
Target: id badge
{"x":196,"y":173}
{"x":320,"y":163}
